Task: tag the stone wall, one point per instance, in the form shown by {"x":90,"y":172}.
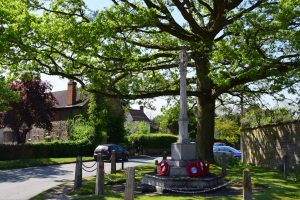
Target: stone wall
{"x":7,"y":136}
{"x":266,"y":146}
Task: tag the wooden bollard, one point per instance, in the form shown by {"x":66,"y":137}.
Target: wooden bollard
{"x":123,"y":159}
{"x":129,"y":188}
{"x":99,"y":189}
{"x":156,"y":166}
{"x":164,"y":154}
{"x":247,"y":188}
{"x":285,"y":166}
{"x":224,"y":164}
{"x":113,"y":167}
{"x":78,"y":173}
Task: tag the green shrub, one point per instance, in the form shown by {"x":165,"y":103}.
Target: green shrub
{"x":85,"y":131}
{"x":150,"y":140}
{"x":107,"y":118}
{"x":137,"y":127}
{"x":80,"y":130}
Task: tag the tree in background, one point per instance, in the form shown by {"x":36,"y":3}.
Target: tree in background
{"x":6,"y":95}
{"x":107,"y":117}
{"x":97,"y":116}
{"x":101,"y":123}
{"x":130,"y":50}
{"x":168,"y":120}
{"x":256,"y":116}
{"x":227,"y":130}
{"x":81,"y":130}
{"x":137,"y":127}
{"x":33,"y":108}
{"x":115,"y":120}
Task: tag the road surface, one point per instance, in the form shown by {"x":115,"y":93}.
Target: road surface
{"x":22,"y":184}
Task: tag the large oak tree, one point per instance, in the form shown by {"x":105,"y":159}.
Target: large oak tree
{"x":130,"y":50}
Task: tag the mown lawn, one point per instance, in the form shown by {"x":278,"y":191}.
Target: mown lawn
{"x":267,"y":184}
{"x":15,"y":164}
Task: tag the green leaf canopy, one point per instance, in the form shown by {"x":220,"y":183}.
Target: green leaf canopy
{"x":130,"y":50}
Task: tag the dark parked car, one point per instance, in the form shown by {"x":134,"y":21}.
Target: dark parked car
{"x":106,"y":152}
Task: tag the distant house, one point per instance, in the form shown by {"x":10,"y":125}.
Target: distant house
{"x":133,"y":116}
{"x":69,"y":102}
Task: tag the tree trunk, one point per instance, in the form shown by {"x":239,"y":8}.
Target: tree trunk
{"x":206,"y":108}
{"x":205,"y":127}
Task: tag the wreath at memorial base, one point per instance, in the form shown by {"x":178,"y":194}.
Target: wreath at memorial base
{"x":199,"y":168}
{"x":163,"y":168}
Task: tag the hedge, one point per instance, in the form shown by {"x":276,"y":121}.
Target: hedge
{"x":136,"y":142}
{"x":45,"y":150}
{"x":150,"y":141}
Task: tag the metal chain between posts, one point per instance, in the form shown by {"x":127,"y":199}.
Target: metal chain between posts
{"x":89,"y":170}
{"x":88,"y":166}
{"x":198,"y":190}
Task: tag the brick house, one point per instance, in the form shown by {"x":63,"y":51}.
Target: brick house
{"x":70,"y":103}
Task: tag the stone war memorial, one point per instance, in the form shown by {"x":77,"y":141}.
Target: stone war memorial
{"x":182,"y":172}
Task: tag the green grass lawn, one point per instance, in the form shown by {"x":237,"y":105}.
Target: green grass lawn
{"x":267,"y":184}
{"x":14,"y":164}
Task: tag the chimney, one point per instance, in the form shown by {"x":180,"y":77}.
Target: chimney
{"x":71,"y":93}
{"x":142,"y":108}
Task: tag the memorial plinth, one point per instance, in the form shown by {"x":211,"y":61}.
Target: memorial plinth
{"x":181,"y":151}
{"x":181,"y":155}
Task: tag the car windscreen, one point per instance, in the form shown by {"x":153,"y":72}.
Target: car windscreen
{"x":233,"y":150}
{"x":101,"y":148}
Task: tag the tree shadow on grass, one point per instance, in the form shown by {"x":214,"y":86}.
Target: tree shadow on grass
{"x":274,"y":186}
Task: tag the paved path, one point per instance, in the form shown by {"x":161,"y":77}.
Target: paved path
{"x":21,"y":184}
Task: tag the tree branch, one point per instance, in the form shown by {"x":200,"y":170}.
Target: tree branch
{"x":143,"y":94}
{"x":190,"y":19}
{"x":207,"y":6}
{"x":266,"y":70}
{"x":239,"y":15}
{"x":81,"y":14}
{"x":158,"y":47}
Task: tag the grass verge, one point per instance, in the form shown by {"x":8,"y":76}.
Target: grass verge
{"x":15,"y":164}
{"x":267,"y":184}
